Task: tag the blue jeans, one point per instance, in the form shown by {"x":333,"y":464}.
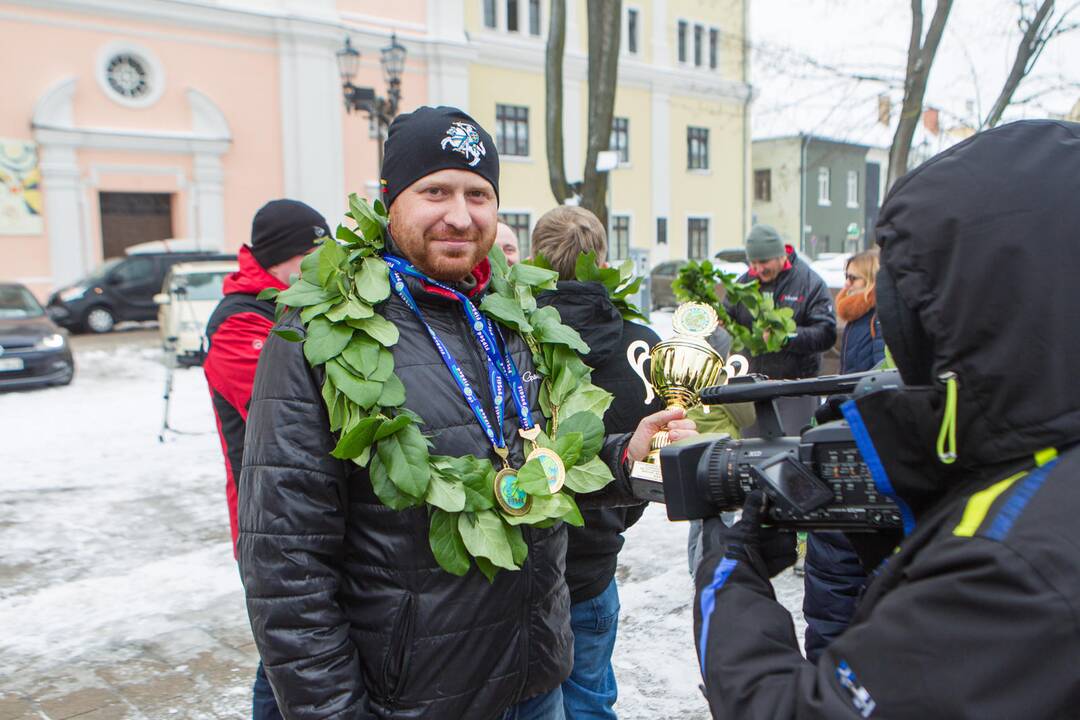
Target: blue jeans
{"x":590,"y":691}
{"x":263,"y":704}
{"x":548,"y":706}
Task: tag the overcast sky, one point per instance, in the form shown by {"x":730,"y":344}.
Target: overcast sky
{"x":870,"y":37}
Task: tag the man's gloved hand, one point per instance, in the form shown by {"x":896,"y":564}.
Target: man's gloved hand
{"x":766,"y":548}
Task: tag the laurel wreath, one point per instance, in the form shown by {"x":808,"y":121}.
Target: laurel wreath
{"x":340,"y":285}
{"x":771,"y":327}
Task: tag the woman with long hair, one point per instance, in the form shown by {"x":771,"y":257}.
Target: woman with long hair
{"x":833,"y":574}
{"x":861,"y":347}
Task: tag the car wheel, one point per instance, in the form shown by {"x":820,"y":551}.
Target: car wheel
{"x":99,"y":319}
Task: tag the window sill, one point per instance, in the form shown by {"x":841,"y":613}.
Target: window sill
{"x":824,"y":204}
{"x":515,"y":158}
{"x":854,"y":206}
{"x":699,"y":171}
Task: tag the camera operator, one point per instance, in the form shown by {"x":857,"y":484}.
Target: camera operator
{"x":977,"y":613}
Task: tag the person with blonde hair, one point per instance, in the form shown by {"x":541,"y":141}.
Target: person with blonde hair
{"x":561,"y":235}
{"x":861,"y":346}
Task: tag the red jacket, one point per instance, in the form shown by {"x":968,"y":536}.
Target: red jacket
{"x":236,"y":333}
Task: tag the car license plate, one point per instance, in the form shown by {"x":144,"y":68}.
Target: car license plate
{"x":11,"y":364}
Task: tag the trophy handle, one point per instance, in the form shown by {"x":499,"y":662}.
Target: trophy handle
{"x":637,"y":353}
{"x":741,"y":363}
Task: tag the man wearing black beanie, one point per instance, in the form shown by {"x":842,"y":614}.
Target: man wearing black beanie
{"x":282,"y":233}
{"x":350,"y":610}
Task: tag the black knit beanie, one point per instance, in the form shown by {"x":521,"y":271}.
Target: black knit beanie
{"x":283,"y":229}
{"x":431,"y":139}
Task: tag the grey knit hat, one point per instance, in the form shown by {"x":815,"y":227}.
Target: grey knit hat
{"x":764,"y":243}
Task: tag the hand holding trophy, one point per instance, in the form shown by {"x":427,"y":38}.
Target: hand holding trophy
{"x":679,"y":369}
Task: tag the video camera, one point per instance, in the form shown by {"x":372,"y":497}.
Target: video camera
{"x":816,"y":481}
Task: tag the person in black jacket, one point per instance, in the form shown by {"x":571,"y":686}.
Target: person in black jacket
{"x":282,"y":233}
{"x":560,"y":236}
{"x":975,"y":615}
{"x":781,"y":273}
{"x":351,"y":613}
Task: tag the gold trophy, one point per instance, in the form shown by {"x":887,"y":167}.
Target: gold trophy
{"x":679,"y":369}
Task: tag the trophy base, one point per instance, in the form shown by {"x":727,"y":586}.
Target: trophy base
{"x":646,"y":480}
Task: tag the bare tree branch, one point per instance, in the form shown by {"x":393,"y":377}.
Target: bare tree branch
{"x":1038,"y":31}
{"x":553,"y":89}
{"x":920,"y":59}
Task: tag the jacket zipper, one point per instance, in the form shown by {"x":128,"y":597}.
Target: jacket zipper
{"x":398,"y":651}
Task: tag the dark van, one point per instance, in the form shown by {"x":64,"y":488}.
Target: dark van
{"x":120,"y":289}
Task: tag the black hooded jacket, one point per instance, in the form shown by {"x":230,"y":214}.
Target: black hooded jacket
{"x":802,"y":290}
{"x":977,"y":614}
{"x":592,"y":551}
{"x":351,"y":613}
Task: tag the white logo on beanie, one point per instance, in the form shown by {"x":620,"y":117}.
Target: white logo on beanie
{"x":461,"y":137}
{"x":319,"y":231}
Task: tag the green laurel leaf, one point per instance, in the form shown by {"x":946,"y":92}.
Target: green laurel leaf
{"x":591,"y":400}
{"x":288,"y":334}
{"x":591,"y":429}
{"x":446,"y":543}
{"x":518,"y":547}
{"x":445,"y":494}
{"x":325,"y":340}
{"x":393,"y":393}
{"x":304,"y":294}
{"x":362,"y":352}
{"x":588,"y":477}
{"x":532,"y":479}
{"x":405,"y":456}
{"x":533,"y":276}
{"x":362,"y":392}
{"x":568,"y":446}
{"x":378,"y":328}
{"x":358,"y":439}
{"x":506,"y":311}
{"x":548,"y":328}
{"x":484,"y":536}
{"x":373,"y":280}
{"x":349,"y":309}
{"x":387,"y":490}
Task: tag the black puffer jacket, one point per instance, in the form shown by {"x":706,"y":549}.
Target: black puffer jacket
{"x":592,"y":551}
{"x":351,"y":613}
{"x":977,"y":615}
{"x":802,"y":290}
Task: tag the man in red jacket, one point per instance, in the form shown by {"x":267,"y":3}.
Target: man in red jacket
{"x":282,"y":233}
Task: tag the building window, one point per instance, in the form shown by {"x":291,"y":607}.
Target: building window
{"x":714,"y":48}
{"x":699,"y":44}
{"x":661,"y":231}
{"x":619,"y":247}
{"x":763,"y":185}
{"x":632,"y":31}
{"x":512,"y":15}
{"x":697,"y":148}
{"x":823,"y":186}
{"x":519,"y":223}
{"x":489,"y":14}
{"x":682,"y":41}
{"x":697,"y":234}
{"x":620,"y":139}
{"x":534,"y":17}
{"x":512,"y":129}
{"x":853,"y":189}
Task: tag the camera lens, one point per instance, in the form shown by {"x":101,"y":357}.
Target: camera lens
{"x":719,"y":477}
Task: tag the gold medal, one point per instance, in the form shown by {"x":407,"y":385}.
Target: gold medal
{"x":552,"y":465}
{"x":512,"y":500}
{"x":531,"y":434}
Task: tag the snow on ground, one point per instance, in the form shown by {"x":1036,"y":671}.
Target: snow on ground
{"x":115,"y":556}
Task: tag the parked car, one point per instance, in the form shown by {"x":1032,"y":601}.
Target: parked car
{"x":123,"y":288}
{"x":33,"y":350}
{"x":661,"y":277}
{"x":188,"y":297}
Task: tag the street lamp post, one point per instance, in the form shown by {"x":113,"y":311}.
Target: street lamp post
{"x":380,"y":110}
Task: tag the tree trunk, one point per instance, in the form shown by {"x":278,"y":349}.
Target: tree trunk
{"x":553,"y":78}
{"x":1035,"y":37}
{"x":605,"y":31}
{"x":920,"y":59}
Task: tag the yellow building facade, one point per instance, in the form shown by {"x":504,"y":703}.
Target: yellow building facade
{"x":681,"y":109}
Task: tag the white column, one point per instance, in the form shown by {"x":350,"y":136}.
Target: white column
{"x":63,"y":213}
{"x":448,"y":54}
{"x":311,"y":115}
{"x":661,"y":53}
{"x":208,"y":197}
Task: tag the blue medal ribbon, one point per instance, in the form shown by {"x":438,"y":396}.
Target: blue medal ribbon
{"x":500,"y":365}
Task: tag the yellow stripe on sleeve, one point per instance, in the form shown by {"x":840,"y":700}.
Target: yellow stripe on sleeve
{"x":979,"y":504}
